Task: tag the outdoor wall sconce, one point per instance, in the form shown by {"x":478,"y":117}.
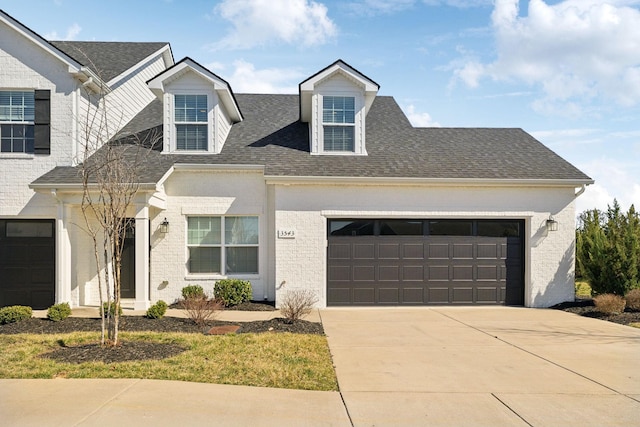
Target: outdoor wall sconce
{"x":552,"y":224}
{"x":164,"y":226}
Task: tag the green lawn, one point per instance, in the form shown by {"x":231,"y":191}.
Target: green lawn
{"x":281,"y":360}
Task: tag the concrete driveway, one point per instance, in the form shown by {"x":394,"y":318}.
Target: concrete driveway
{"x":484,"y":367}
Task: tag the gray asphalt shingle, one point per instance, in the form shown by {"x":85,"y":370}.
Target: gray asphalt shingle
{"x":272,"y":136}
{"x":108,"y":59}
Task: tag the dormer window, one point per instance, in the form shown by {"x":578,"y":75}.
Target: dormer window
{"x":191,"y":122}
{"x":338,"y":120}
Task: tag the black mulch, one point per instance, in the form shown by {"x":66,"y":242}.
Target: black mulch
{"x":141,"y":350}
{"x":586,"y":308}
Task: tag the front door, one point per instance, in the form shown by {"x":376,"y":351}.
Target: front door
{"x":128,"y":266}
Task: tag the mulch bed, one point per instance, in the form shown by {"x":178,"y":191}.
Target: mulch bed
{"x":586,"y":308}
{"x":144,"y":350}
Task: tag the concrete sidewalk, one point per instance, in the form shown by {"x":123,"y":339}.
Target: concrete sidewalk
{"x":419,"y":366}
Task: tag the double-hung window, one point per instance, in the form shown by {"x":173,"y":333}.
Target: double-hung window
{"x":191,"y":114}
{"x":338,"y":120}
{"x":17,"y":114}
{"x":223,"y":244}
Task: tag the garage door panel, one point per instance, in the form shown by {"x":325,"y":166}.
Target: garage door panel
{"x":462,"y":250}
{"x":438,"y":295}
{"x":438,"y":250}
{"x":462,"y":295}
{"x":389,"y":251}
{"x":389,"y":273}
{"x":340,"y":273}
{"x":38,"y":254}
{"x":438,"y":272}
{"x":340,"y":251}
{"x":462,"y":272}
{"x":488,"y":273}
{"x":364,"y":295}
{"x":340,"y":296}
{"x":364,"y":273}
{"x":412,"y":273}
{"x":413,"y":295}
{"x":389,"y":295}
{"x":363,"y":251}
{"x":41,"y":276}
{"x":487,"y":251}
{"x":489,"y":295}
{"x":413,"y":251}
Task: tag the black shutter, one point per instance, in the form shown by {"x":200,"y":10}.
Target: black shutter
{"x":42,"y":130}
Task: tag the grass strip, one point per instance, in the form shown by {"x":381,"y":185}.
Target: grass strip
{"x":282,"y":360}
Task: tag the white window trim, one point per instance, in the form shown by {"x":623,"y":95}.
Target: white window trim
{"x":222,"y":245}
{"x":358,"y":125}
{"x":18,"y":154}
{"x":171,"y":138}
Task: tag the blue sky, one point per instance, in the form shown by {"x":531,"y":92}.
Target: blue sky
{"x":568,"y":72}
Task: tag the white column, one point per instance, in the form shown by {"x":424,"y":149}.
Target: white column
{"x":63,"y":258}
{"x":142,"y":257}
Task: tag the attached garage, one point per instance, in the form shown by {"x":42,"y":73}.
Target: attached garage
{"x":27,"y":263}
{"x":421,"y":262}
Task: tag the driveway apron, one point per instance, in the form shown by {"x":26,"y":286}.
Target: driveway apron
{"x":484,"y":367}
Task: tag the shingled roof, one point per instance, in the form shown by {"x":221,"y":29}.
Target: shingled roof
{"x":108,"y":59}
{"x":272,"y":136}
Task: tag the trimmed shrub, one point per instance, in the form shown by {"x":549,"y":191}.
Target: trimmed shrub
{"x":58,"y":312}
{"x":157,"y":310}
{"x":609,"y":303}
{"x":633,"y":299}
{"x":110,"y":309}
{"x":193,"y":291}
{"x":15,"y":313}
{"x":233,"y":291}
{"x":297,"y":303}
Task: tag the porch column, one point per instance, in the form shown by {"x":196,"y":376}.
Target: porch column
{"x":63,"y":257}
{"x":142,"y":257}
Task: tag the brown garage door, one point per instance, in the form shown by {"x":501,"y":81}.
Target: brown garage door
{"x":417,"y":262}
{"x":27,"y":263}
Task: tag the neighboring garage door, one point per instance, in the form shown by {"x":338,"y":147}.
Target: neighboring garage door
{"x":416,"y":262}
{"x":27,"y":263}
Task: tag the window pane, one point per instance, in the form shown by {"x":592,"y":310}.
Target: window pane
{"x":190,"y":108}
{"x":204,"y":260}
{"x":191,"y":137}
{"x":16,"y":106}
{"x":338,"y":138}
{"x":450,"y":228}
{"x":351,"y":227}
{"x":499,"y":228}
{"x":241,"y":230}
{"x":400,"y":228}
{"x":242,"y":260}
{"x":16,"y":138}
{"x":338,"y":109}
{"x":29,"y":229}
{"x":203,"y":230}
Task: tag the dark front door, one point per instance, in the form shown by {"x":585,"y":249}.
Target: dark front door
{"x":27,"y":263}
{"x":128,"y":266}
{"x":420,"y":262}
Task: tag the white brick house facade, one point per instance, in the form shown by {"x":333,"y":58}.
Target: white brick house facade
{"x":250,"y":189}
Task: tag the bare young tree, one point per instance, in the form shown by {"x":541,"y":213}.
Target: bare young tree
{"x":110,"y":168}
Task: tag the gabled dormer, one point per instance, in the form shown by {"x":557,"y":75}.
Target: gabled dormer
{"x":198,"y":108}
{"x":335,"y":102}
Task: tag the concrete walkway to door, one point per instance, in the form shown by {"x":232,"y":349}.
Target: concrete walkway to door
{"x":484,"y":367}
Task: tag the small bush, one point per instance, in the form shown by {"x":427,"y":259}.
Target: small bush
{"x":609,"y":303}
{"x":58,"y":312}
{"x":633,"y":299}
{"x":297,"y":303}
{"x":201,"y":310}
{"x":15,"y":313}
{"x":193,"y":291}
{"x":157,"y":310}
{"x":110,"y":309}
{"x":233,"y":291}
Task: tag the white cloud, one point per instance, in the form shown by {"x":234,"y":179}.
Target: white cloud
{"x":260,"y":22}
{"x":574,"y":50}
{"x":378,"y":7}
{"x":246,"y":79}
{"x":613,"y":180}
{"x":72,"y":33}
{"x":462,"y":4}
{"x":421,"y":120}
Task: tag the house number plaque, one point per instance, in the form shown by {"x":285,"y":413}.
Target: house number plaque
{"x":286,"y":233}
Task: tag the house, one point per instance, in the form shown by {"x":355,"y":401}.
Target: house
{"x":330,"y":189}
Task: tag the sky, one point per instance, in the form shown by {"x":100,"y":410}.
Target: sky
{"x":566,"y":71}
